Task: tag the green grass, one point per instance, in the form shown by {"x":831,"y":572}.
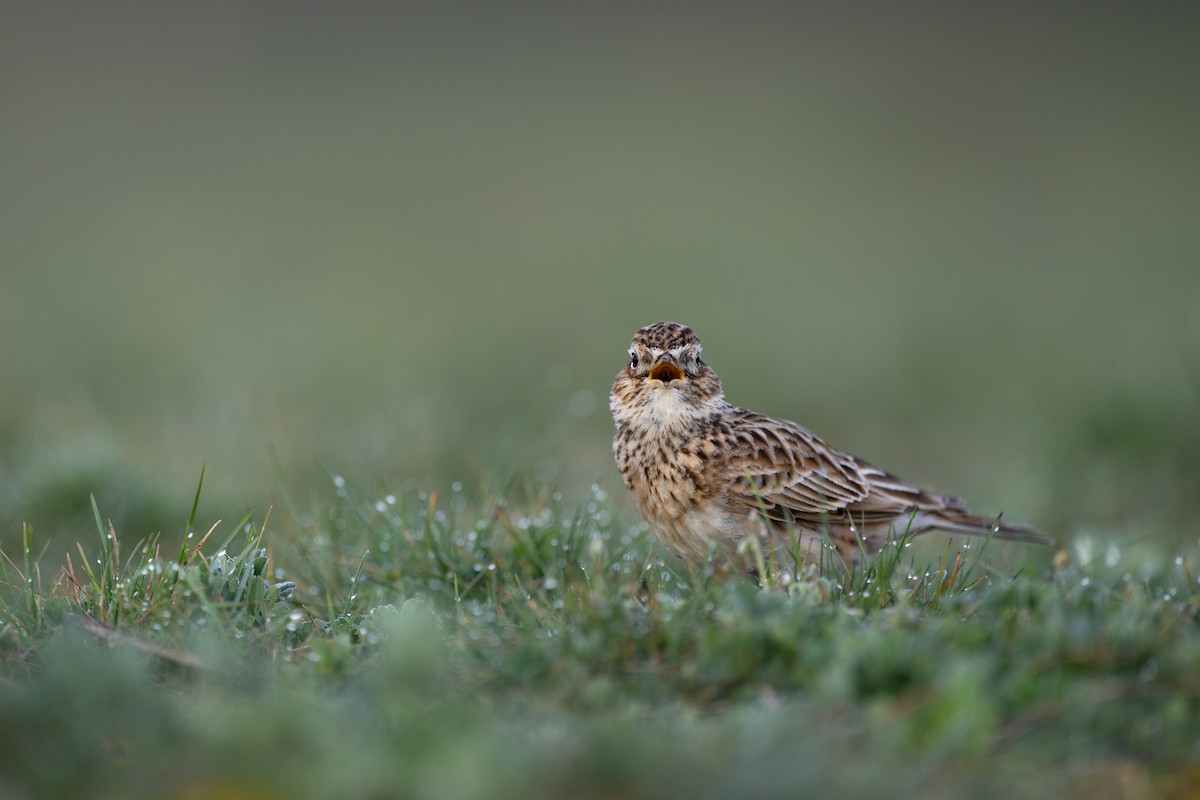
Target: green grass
{"x":413,"y":644}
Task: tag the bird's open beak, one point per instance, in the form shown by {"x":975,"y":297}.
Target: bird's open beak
{"x":666,"y":370}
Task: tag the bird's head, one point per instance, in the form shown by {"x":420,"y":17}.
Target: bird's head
{"x":665,"y":376}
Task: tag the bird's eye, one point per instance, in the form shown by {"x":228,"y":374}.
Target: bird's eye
{"x":633,"y":359}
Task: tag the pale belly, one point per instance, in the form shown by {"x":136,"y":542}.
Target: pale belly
{"x":698,"y":533}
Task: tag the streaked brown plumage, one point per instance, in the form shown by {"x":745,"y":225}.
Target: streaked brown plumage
{"x":707,"y":475}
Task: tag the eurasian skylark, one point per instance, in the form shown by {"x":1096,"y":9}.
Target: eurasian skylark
{"x":708,"y":475}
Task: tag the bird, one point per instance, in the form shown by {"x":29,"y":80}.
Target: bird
{"x":710,"y":477}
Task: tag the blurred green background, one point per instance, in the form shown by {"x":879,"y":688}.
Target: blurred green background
{"x":412,"y":241}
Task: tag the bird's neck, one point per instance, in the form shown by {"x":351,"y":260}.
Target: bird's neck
{"x":664,"y":413}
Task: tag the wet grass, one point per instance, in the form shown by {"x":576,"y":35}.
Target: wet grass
{"x":460,"y":644}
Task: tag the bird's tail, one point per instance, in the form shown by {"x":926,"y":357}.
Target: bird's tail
{"x":962,"y":521}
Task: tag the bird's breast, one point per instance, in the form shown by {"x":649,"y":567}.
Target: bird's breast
{"x":668,"y":474}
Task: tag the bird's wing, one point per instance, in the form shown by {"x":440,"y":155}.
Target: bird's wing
{"x":788,"y":473}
